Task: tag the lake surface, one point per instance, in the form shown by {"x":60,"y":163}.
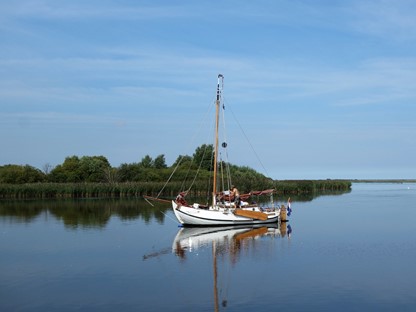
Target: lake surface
{"x":349,"y":252}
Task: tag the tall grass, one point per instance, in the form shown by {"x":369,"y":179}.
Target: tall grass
{"x":138,"y":189}
{"x":311,"y":186}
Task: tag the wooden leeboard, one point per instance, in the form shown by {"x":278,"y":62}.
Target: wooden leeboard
{"x":251,"y":214}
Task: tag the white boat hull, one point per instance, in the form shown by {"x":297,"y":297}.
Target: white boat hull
{"x":218,"y":217}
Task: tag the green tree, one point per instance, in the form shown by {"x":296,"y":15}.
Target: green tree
{"x":147,"y":162}
{"x":203,"y":156}
{"x":160,"y":162}
{"x":185,"y":161}
{"x":93,"y":168}
{"x":84,"y":169}
{"x":18,"y":174}
{"x":111,"y":175}
{"x":68,"y":171}
{"x":128,"y":172}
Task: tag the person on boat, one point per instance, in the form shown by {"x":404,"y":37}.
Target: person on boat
{"x":236,"y":195}
{"x":180,"y":199}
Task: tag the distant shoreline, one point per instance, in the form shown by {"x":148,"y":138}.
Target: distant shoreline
{"x":382,"y":180}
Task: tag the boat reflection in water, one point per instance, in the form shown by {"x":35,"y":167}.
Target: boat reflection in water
{"x":226,"y":238}
{"x":224,"y":241}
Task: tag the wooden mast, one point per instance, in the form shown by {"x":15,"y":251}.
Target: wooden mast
{"x":217,"y":114}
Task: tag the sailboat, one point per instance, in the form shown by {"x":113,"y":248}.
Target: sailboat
{"x":224,"y":210}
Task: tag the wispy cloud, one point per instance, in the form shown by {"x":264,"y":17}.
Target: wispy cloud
{"x":44,"y":9}
{"x":136,"y":78}
{"x":48,"y":118}
{"x":317,"y":69}
{"x":393,"y":20}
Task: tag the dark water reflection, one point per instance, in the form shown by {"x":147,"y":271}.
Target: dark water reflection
{"x":348,"y":252}
{"x":96,"y":213}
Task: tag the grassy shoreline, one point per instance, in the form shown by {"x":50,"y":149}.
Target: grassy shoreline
{"x":139,"y":189}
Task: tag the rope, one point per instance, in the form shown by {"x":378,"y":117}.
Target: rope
{"x":199,"y":168}
{"x":201,"y":124}
{"x":170,"y":177}
{"x":228,"y":172}
{"x":175,"y":221}
{"x":248,"y":141}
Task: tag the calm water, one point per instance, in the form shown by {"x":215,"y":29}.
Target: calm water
{"x":350,"y":252}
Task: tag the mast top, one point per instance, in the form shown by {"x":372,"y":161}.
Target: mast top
{"x":220,"y":82}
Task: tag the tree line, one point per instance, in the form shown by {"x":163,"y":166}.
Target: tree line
{"x":97,"y":169}
{"x":93,"y":176}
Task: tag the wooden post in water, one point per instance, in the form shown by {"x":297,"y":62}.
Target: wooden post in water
{"x":283,"y":229}
{"x":283,"y":213}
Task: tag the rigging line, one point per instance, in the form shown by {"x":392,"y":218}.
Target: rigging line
{"x":222,"y":172}
{"x":248,"y":141}
{"x":202,"y":123}
{"x":227,"y":164}
{"x":224,"y":138}
{"x":189,"y":144}
{"x":148,"y":202}
{"x":187,"y":172}
{"x":200,"y":166}
{"x":175,"y":221}
{"x":170,"y":177}
{"x":209,"y":186}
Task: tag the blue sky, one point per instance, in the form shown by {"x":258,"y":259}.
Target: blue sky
{"x":322,"y":89}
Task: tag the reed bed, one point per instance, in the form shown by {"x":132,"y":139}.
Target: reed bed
{"x":139,"y":189}
{"x":311,"y":186}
